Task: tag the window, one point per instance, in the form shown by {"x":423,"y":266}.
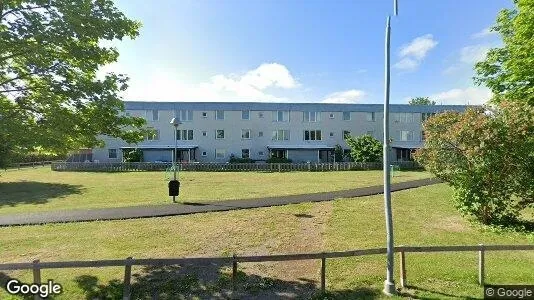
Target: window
{"x":152,"y":135}
{"x":281,"y":135}
{"x":219,"y":115}
{"x":245,"y":134}
{"x":184,"y":135}
{"x":154,"y":114}
{"x":245,"y":114}
{"x":403,"y":117}
{"x":184,"y":115}
{"x":312,"y":135}
{"x":346,"y":115}
{"x":245,"y":153}
{"x":112,"y":153}
{"x":204,"y":133}
{"x":261,"y":153}
{"x":423,"y":136}
{"x":405,"y":135}
{"x":260,"y":114}
{"x":331,"y":134}
{"x":404,"y":155}
{"x":370,"y":116}
{"x":204,"y":114}
{"x":331,"y":115}
{"x":260,"y":134}
{"x":426,"y":116}
{"x":280,"y":116}
{"x":279,"y":153}
{"x":346,"y":134}
{"x":371,"y":133}
{"x":311,"y":116}
{"x":219,"y":134}
{"x":220,"y":153}
{"x":204,"y":153}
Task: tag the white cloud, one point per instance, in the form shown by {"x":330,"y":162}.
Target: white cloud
{"x":413,"y":53}
{"x":486,"y":32}
{"x":349,"y":96}
{"x":407,"y":64}
{"x":474,"y":53}
{"x":470,"y":95}
{"x":161,"y":84}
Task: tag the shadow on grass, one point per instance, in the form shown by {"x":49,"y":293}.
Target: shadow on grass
{"x":33,"y":192}
{"x":210,"y":281}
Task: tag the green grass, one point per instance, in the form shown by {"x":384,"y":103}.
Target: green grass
{"x":40,"y":189}
{"x":423,"y":216}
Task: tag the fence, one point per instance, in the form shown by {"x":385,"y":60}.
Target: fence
{"x":224,"y":167}
{"x":32,"y":164}
{"x":37,"y":266}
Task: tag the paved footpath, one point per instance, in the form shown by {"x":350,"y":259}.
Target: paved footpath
{"x":173,"y":209}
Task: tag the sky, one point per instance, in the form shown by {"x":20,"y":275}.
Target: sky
{"x":305,"y":50}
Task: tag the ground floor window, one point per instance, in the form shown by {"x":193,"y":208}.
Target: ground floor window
{"x":279,"y":153}
{"x":220,"y":153}
{"x":245,"y":153}
{"x":404,"y":155}
{"x":112,"y":153}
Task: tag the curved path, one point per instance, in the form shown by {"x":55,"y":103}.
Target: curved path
{"x":173,"y":209}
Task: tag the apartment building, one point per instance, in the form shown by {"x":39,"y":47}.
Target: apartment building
{"x":302,"y":132}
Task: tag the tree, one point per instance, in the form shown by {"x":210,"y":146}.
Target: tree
{"x":421,"y":101}
{"x":486,"y":155}
{"x":338,"y":153}
{"x":50,"y":96}
{"x":364,"y":148}
{"x":507,"y":71}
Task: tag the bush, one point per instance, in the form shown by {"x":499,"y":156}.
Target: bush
{"x":487,"y":156}
{"x":133,"y":155}
{"x":364,"y":148}
{"x":277,"y":160}
{"x":237,"y":160}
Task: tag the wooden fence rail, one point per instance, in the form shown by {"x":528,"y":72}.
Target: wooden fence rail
{"x":224,"y":167}
{"x":127,"y":263}
{"x":32,"y":164}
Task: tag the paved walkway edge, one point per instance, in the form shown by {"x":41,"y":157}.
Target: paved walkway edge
{"x":164,"y":210}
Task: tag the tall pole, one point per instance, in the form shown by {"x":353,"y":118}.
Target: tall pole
{"x":389,"y":283}
{"x":175,"y":154}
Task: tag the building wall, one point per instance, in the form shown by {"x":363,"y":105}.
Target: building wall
{"x":261,"y":126}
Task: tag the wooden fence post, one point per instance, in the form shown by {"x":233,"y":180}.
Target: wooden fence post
{"x":481,"y":265}
{"x":36,"y":276}
{"x":126,"y":294}
{"x":323,"y":273}
{"x":234,"y":275}
{"x":402,"y":268}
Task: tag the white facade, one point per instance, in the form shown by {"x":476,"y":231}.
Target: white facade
{"x":212,"y":132}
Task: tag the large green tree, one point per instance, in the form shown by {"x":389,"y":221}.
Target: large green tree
{"x":51,"y":98}
{"x":508,"y":70}
{"x":421,"y":101}
{"x":486,"y":155}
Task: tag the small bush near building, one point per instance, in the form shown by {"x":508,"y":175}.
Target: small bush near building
{"x":278,"y":160}
{"x":364,"y":148}
{"x":237,"y":160}
{"x":133,"y":155}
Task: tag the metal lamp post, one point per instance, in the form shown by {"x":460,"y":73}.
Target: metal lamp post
{"x":175,"y":123}
{"x":389,"y":283}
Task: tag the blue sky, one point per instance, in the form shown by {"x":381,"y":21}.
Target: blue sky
{"x":305,"y":51}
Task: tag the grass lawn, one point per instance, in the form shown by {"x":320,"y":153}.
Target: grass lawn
{"x":423,"y":216}
{"x":40,"y":189}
